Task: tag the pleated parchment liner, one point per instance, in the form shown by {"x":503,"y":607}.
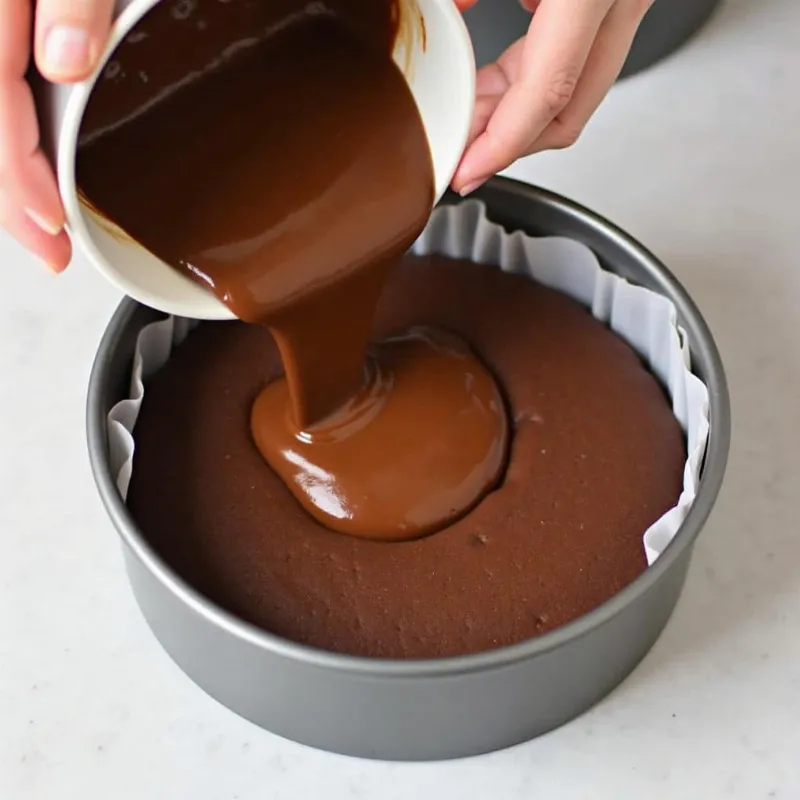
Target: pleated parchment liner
{"x":644,"y":319}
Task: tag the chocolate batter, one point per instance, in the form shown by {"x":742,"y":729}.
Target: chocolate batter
{"x":597,"y":456}
{"x":284,"y":165}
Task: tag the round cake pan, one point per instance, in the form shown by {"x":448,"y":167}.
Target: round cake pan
{"x":427,"y":709}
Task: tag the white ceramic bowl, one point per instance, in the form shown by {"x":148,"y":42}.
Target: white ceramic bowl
{"x":433,"y":51}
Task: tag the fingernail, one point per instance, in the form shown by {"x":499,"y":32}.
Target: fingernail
{"x":48,"y":227}
{"x":471,"y":187}
{"x":67,"y":51}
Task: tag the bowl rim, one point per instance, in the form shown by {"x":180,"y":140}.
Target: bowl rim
{"x":716,"y":456}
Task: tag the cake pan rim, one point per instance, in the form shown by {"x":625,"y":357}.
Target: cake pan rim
{"x":711,"y":480}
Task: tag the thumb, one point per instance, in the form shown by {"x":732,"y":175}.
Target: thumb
{"x":70,"y":37}
{"x":464,"y":5}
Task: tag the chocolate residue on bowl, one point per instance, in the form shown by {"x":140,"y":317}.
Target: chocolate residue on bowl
{"x":410,"y":30}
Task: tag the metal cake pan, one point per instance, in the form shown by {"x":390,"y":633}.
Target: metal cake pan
{"x":426,"y":709}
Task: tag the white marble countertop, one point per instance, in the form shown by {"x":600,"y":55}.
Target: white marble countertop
{"x":700,"y":159}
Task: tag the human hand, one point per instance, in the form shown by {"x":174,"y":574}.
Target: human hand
{"x":543,"y":90}
{"x":68,"y":36}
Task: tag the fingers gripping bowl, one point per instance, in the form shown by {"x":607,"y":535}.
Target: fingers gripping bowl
{"x":433,"y":708}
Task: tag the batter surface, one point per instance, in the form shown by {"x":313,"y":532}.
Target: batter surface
{"x":596,"y":457}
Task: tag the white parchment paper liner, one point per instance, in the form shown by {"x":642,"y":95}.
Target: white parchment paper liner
{"x":646,"y":320}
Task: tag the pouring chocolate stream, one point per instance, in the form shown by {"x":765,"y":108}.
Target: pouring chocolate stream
{"x":288,"y":171}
